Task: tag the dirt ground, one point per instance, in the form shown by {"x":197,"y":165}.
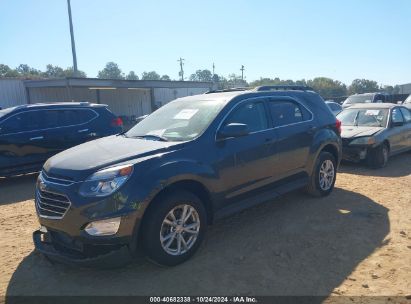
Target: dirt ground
{"x":355,"y":242}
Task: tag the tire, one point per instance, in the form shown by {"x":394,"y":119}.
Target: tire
{"x":378,"y":157}
{"x":157,"y":224}
{"x":320,"y":186}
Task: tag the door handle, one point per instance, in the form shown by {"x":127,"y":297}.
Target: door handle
{"x":37,"y":138}
{"x":82,"y":131}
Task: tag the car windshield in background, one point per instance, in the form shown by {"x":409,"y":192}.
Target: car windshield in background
{"x":6,"y":111}
{"x":408,"y":100}
{"x":359,"y":99}
{"x":180,"y":120}
{"x":364,"y":117}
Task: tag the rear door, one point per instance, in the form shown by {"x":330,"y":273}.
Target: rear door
{"x":294,"y":127}
{"x":67,"y":128}
{"x":22,"y":140}
{"x":407,"y":126}
{"x":398,"y":134}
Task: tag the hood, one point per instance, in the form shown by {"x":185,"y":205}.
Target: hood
{"x":358,"y":131}
{"x":80,"y":161}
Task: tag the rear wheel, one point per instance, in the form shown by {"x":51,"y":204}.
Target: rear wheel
{"x":378,"y":157}
{"x":174,"y":228}
{"x":323,"y":177}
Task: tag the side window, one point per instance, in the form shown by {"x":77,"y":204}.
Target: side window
{"x":396,"y":115}
{"x":407,"y":114}
{"x":252,"y":114}
{"x":287,"y":112}
{"x":85,"y":115}
{"x":23,"y":122}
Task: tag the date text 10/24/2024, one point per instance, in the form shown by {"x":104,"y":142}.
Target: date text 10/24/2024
{"x":205,"y":299}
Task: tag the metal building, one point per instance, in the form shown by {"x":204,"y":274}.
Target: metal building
{"x":124,"y":97}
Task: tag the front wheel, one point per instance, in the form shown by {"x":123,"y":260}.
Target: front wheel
{"x":174,"y":228}
{"x":378,"y":157}
{"x":323,"y":177}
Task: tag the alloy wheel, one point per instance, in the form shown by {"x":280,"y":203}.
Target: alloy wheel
{"x":327,"y":175}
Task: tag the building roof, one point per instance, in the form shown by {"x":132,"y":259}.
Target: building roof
{"x":114,"y":83}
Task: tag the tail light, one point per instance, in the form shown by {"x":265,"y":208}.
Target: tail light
{"x":117,"y":122}
{"x":338,"y":126}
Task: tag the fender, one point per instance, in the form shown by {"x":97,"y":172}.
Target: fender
{"x":321,"y":139}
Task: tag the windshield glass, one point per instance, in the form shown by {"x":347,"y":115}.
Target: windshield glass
{"x":179,"y":120}
{"x":408,"y":100}
{"x":6,"y":111}
{"x":364,"y":117}
{"x":359,"y":99}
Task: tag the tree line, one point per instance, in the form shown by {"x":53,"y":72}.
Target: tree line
{"x":326,"y":87}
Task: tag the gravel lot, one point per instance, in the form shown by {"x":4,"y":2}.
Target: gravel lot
{"x":357,"y":241}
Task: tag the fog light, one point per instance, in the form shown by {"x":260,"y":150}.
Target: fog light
{"x":103,"y":227}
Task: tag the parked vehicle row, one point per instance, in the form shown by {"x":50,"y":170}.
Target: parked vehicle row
{"x":159,"y":185}
{"x":30,"y":134}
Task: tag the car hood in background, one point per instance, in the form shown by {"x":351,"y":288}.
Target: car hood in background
{"x":79,"y":162}
{"x":354,"y":131}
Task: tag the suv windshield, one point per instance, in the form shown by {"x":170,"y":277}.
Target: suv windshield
{"x":6,"y":111}
{"x":179,"y":120}
{"x":359,"y":99}
{"x":364,"y":117}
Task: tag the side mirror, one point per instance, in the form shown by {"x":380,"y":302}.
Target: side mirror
{"x":397,"y":124}
{"x":232,"y":130}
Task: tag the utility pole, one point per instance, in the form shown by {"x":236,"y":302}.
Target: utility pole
{"x":73,"y":45}
{"x":242,"y":72}
{"x":181,"y":73}
{"x":213,"y":68}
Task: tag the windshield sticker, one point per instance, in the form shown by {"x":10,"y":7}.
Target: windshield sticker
{"x":186,"y":114}
{"x":372,"y":112}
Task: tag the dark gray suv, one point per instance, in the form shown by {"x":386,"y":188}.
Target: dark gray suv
{"x":158,"y":186}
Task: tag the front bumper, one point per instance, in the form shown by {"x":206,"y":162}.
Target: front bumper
{"x":60,"y":248}
{"x":354,"y":153}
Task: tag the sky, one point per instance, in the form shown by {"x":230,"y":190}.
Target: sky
{"x":294,"y":39}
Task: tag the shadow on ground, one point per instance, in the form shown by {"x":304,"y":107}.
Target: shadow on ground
{"x":17,"y":189}
{"x":398,"y":166}
{"x":292,"y":246}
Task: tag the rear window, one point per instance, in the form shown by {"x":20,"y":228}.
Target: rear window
{"x":287,"y":112}
{"x":67,"y":117}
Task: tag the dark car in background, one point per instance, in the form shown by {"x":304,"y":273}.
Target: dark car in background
{"x":30,"y":134}
{"x":373,"y":132}
{"x":194,"y":160}
{"x":365,"y":98}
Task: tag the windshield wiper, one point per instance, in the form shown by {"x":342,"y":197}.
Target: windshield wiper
{"x":148,"y":136}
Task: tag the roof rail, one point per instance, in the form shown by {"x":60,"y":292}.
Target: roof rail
{"x":227,"y":90}
{"x":283,"y":87}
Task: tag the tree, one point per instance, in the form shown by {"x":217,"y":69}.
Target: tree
{"x":132,"y":76}
{"x":6,"y":71}
{"x":359,"y":86}
{"x":53,"y":72}
{"x":150,"y":76}
{"x":111,"y":71}
{"x":328,"y":87}
{"x":165,"y":77}
{"x":201,"y":75}
{"x":69,"y":72}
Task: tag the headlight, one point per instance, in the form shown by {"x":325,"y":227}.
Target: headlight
{"x":103,"y":227}
{"x":106,"y":181}
{"x":369,"y":140}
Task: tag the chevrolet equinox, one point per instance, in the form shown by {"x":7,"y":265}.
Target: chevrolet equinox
{"x":196,"y":159}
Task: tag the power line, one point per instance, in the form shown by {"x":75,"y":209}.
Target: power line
{"x":181,"y":73}
{"x":73,"y":45}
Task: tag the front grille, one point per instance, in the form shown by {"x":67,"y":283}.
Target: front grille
{"x":51,"y":205}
